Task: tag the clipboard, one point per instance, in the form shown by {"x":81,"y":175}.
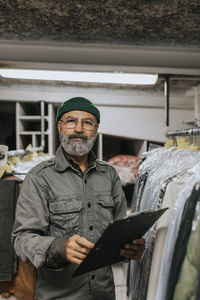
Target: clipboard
{"x":116,"y":235}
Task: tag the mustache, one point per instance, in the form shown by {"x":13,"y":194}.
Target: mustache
{"x":78,"y":135}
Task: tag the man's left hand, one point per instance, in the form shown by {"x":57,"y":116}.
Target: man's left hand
{"x":133,"y":250}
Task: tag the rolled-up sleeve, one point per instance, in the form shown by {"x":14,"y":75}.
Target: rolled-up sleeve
{"x":119,"y":198}
{"x":30,"y":232}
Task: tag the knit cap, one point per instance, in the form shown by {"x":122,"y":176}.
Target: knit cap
{"x":78,"y":103}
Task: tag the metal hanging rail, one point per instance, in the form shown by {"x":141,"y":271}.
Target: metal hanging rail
{"x":183,"y":132}
{"x":42,"y":126}
{"x":166,"y":93}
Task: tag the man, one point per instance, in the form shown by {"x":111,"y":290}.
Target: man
{"x":65,"y":205}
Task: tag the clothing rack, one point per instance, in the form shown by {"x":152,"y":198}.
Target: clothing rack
{"x":184,"y":132}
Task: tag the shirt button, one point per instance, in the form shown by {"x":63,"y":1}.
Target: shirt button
{"x":93,"y":277}
{"x":89,"y":204}
{"x":91,"y":227}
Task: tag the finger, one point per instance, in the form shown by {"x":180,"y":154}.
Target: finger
{"x":84,"y":242}
{"x":76,"y":254}
{"x":134,"y":257}
{"x":135,"y":247}
{"x":130,"y":254}
{"x":136,"y":244}
{"x":140,"y":241}
{"x":81,"y":241}
{"x":74,"y":243}
{"x":75,"y":260}
{"x":73,"y":254}
{"x":80,"y":249}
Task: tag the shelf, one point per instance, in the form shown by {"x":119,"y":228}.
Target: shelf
{"x":33,"y":118}
{"x":32,"y":132}
{"x":35,"y":125}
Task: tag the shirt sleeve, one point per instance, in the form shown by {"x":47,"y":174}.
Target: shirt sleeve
{"x":56,"y":257}
{"x":120,"y":201}
{"x":30,"y":232}
{"x":119,"y":198}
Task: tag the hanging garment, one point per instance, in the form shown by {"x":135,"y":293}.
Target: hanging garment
{"x":193,"y":176}
{"x":9,"y":191}
{"x":24,"y":282}
{"x":143,"y":266}
{"x":135,"y":206}
{"x":162,"y":165}
{"x":139,"y":270}
{"x":140,"y":185}
{"x":182,"y":240}
{"x":172,"y":190}
{"x":197,"y":294}
{"x":186,"y":259}
{"x":136,"y":286}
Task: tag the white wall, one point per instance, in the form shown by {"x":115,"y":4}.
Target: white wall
{"x":141,"y":123}
{"x":128,"y":113}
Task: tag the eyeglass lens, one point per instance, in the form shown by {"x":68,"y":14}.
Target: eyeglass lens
{"x":72,"y":123}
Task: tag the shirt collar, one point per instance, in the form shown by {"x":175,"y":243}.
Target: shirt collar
{"x":62,"y":161}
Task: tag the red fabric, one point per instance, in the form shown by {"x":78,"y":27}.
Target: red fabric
{"x":124,"y":162}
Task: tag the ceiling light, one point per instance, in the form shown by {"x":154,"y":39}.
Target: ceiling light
{"x":95,"y":77}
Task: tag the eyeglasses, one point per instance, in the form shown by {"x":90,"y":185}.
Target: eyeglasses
{"x":87,"y":124}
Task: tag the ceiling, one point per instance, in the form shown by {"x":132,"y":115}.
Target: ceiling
{"x":142,"y":36}
{"x":147,"y":23}
{"x":177,"y":83}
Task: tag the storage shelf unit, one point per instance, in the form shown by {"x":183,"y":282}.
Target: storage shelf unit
{"x":35,"y":125}
{"x":32,"y":118}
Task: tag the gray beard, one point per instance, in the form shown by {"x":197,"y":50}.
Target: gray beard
{"x":77,"y":148}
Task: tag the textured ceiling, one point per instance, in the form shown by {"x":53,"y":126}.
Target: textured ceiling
{"x":157,"y":23}
{"x":144,"y":22}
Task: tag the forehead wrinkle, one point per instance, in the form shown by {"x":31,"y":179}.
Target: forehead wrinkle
{"x":84,"y":119}
{"x":79,"y":114}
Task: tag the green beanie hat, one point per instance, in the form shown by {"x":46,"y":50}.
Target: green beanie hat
{"x":78,"y":103}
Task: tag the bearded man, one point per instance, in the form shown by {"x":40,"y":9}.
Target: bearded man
{"x":64,"y":206}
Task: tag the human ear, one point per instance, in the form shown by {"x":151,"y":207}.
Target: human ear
{"x":97,"y":127}
{"x":58,"y":126}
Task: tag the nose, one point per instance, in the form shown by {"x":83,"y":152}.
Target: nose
{"x":79,"y":126}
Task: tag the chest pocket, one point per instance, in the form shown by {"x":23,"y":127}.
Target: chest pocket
{"x":65,"y":216}
{"x":105,"y":206}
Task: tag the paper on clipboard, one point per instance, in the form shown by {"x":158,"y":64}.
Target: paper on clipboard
{"x":116,"y":235}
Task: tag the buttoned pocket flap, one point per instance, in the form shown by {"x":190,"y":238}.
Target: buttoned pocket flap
{"x":105,"y":200}
{"x":66,"y":206}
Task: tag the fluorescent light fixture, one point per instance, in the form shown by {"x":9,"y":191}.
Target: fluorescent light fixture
{"x":95,"y":77}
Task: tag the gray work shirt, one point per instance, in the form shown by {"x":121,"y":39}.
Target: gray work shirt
{"x":57,"y":201}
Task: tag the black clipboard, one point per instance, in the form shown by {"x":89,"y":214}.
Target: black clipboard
{"x":116,"y":235}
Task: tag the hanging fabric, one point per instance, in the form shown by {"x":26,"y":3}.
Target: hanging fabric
{"x":9,"y":191}
{"x":166,"y":179}
{"x":186,"y":255}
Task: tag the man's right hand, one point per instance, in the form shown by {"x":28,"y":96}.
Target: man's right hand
{"x":77,"y":248}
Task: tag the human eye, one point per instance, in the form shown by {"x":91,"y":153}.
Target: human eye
{"x":70,"y":121}
{"x":88,"y":122}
